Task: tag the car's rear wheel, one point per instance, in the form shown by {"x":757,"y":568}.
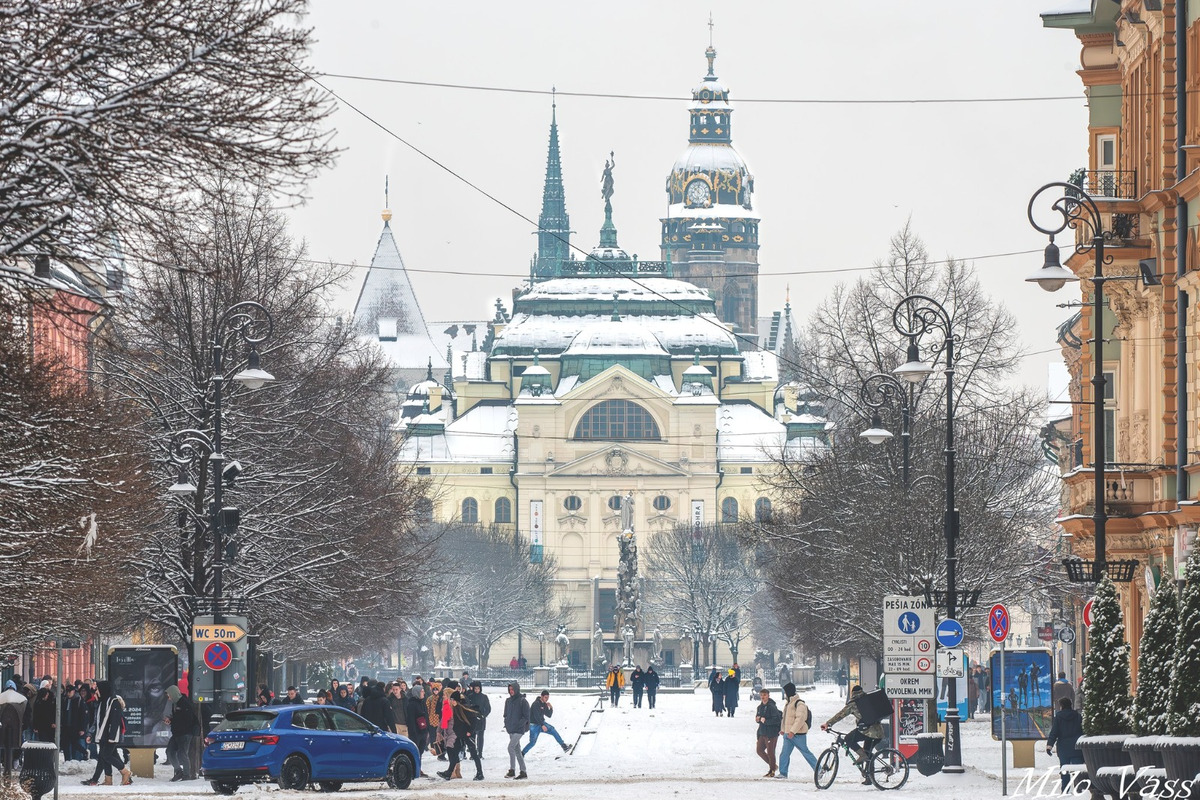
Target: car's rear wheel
{"x":223,"y":787}
{"x":329,"y":786}
{"x":295,"y":773}
{"x":400,"y":771}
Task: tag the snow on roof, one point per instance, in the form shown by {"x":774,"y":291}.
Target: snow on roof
{"x":602,"y":288}
{"x":485,"y":433}
{"x":721,"y":211}
{"x":760,"y":365}
{"x":552,"y":333}
{"x":388,"y":293}
{"x":410,"y":352}
{"x":615,"y":337}
{"x":665,"y":383}
{"x":746,"y":433}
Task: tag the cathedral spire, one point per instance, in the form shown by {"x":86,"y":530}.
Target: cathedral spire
{"x":554,"y":225}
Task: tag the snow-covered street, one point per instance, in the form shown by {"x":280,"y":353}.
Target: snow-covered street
{"x":678,"y":749}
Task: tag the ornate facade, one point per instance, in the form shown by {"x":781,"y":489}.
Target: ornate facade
{"x":1142,"y":171}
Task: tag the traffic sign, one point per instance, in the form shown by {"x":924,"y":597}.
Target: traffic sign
{"x":950,"y":663}
{"x":899,"y":664}
{"x":906,"y":616}
{"x":924,"y":664}
{"x":949,"y":633}
{"x":924,"y":645}
{"x":1067,"y":636}
{"x":217,"y":633}
{"x":1087,"y":612}
{"x":920,"y":684}
{"x":998,"y":622}
{"x":218,"y":656}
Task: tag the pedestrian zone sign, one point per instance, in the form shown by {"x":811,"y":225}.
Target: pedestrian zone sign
{"x":908,"y":631}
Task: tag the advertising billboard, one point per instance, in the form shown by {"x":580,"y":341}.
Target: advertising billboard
{"x":140,"y":676}
{"x":1024,"y":697}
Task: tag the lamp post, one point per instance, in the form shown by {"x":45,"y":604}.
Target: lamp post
{"x":251,"y":323}
{"x":913,"y":317}
{"x":1077,"y":210}
{"x":877,"y":391}
{"x":541,"y":649}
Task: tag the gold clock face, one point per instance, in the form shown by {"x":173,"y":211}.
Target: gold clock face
{"x":698,"y":194}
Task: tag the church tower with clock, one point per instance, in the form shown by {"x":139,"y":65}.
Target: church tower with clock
{"x":710,"y":233}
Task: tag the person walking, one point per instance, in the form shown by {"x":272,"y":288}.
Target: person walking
{"x":732,"y":686}
{"x":110,"y":729}
{"x":462,"y":719}
{"x":398,"y":702}
{"x":417,"y":714}
{"x":45,"y":709}
{"x":797,"y":719}
{"x":73,"y":726}
{"x":716,"y":685}
{"x":637,"y":680}
{"x":482,"y":706}
{"x":539,"y":713}
{"x":292,"y":698}
{"x":185,"y":726}
{"x":1065,"y":732}
{"x":516,"y":724}
{"x":651,"y":685}
{"x":615,"y":681}
{"x":10,"y":731}
{"x":1062,"y":688}
{"x":769,"y":718}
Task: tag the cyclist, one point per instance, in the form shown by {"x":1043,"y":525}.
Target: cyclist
{"x":868,"y":734}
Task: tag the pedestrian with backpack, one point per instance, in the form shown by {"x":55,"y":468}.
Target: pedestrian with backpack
{"x":797,"y":719}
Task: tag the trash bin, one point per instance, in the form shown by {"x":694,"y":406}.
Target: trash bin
{"x":38,"y":773}
{"x":930,"y":756}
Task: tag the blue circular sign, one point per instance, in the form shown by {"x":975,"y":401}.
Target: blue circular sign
{"x":908,"y":623}
{"x":949,"y":633}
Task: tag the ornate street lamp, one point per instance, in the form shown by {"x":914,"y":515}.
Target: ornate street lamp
{"x":1077,"y":210}
{"x":877,"y":391}
{"x":913,"y":317}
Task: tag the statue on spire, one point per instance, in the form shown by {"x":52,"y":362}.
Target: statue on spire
{"x":606,"y":185}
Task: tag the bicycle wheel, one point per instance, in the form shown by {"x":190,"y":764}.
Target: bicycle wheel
{"x":889,"y":769}
{"x":827,"y":768}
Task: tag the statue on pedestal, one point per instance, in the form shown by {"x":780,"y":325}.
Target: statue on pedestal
{"x":598,"y":655}
{"x":455,"y":649}
{"x":564,"y":644}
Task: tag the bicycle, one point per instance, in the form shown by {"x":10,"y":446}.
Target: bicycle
{"x":886,"y":768}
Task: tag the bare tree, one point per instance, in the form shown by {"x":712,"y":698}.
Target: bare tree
{"x":113,"y":110}
{"x":322,"y":554}
{"x":701,"y":580}
{"x":846,"y":531}
{"x":487,"y":587}
{"x":72,"y":486}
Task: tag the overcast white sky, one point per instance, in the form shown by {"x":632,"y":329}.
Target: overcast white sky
{"x":834,"y":181}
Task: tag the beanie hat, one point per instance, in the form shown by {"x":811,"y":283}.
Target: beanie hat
{"x":476,"y":685}
{"x":789,"y":690}
{"x":174,"y":693}
{"x":45,"y":684}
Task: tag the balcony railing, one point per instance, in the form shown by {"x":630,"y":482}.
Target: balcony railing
{"x":1107,"y":183}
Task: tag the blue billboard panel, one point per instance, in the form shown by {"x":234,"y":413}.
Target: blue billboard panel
{"x":1024,"y":697}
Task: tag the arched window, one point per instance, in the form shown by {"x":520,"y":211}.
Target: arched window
{"x":729,"y":510}
{"x":470,"y":510}
{"x":617,"y":419}
{"x":762,"y":510}
{"x":503,"y":510}
{"x":424,"y":510}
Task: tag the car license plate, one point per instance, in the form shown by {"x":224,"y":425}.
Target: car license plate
{"x":233,"y":745}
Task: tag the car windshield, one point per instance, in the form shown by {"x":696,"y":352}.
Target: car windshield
{"x":247,"y":721}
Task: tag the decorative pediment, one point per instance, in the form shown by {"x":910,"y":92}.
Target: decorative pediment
{"x":572,"y":522}
{"x":616,"y":461}
{"x":616,"y":381}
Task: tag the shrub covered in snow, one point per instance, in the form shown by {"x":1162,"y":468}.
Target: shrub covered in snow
{"x":1185,"y":682}
{"x":1106,"y":706}
{"x":1156,"y":661}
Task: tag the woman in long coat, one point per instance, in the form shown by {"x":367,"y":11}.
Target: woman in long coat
{"x":732,"y":687}
{"x":717,"y":686}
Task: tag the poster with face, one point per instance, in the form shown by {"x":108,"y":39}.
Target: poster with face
{"x":1024,"y":696}
{"x":140,"y":676}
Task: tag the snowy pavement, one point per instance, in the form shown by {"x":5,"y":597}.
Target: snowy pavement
{"x":678,"y":749}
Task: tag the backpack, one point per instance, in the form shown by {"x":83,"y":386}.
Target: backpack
{"x":802,"y":706}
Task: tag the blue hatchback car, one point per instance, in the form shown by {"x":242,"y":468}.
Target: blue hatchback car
{"x":298,"y":746}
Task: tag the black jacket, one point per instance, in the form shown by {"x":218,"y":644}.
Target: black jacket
{"x":416,"y":710}
{"x":516,"y":712}
{"x":43,"y":721}
{"x":184,"y":721}
{"x":399,"y":710}
{"x":1065,"y":731}
{"x":538,"y":711}
{"x":637,"y":679}
{"x":376,"y":710}
{"x":771,"y":718}
{"x":482,"y":706}
{"x":651,"y":679}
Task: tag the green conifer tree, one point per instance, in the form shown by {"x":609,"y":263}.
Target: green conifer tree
{"x":1156,"y":662}
{"x":1185,"y":682}
{"x":1106,"y":701}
